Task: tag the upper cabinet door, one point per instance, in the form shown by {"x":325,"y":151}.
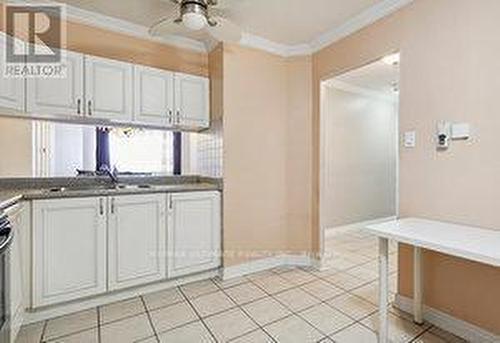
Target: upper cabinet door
{"x":154,"y":96}
{"x":11,"y":89}
{"x":109,"y":89}
{"x":192,"y":100}
{"x":61,"y":97}
{"x":194,"y":233}
{"x":137,"y":240}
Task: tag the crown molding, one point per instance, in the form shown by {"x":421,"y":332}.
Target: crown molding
{"x":253,"y":41}
{"x":356,"y":23}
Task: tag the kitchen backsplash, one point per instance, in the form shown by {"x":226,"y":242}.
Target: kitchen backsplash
{"x":209,"y":151}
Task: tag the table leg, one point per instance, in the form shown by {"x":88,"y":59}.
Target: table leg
{"x":383,"y":244}
{"x":417,"y":286}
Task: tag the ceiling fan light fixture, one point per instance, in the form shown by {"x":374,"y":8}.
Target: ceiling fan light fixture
{"x":194,"y":21}
{"x":194,"y":14}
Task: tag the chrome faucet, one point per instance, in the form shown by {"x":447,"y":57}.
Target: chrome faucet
{"x":113,"y":174}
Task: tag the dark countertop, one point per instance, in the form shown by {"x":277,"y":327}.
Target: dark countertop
{"x":13,"y":191}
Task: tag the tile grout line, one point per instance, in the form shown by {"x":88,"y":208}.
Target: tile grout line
{"x":72,"y":333}
{"x":150,"y":319}
{"x":98,"y":309}
{"x":44,"y":328}
{"x":414,"y":340}
{"x":198,"y":314}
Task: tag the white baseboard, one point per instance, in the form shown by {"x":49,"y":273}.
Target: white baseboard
{"x":333,"y":231}
{"x":37,"y":315}
{"x":265,"y":264}
{"x":458,"y":327}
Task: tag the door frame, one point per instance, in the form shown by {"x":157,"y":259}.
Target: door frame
{"x":322,"y":151}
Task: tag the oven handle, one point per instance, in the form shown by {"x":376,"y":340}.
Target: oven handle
{"x":5,"y":245}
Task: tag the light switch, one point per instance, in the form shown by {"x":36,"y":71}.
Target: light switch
{"x":410,"y":139}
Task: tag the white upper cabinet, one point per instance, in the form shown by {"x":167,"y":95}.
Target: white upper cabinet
{"x":154,"y":96}
{"x":192,"y":100}
{"x":69,"y":249}
{"x":109,"y":89}
{"x":52,"y":97}
{"x":11,"y":89}
{"x":194,"y":233}
{"x":102,"y":90}
{"x":137,"y":240}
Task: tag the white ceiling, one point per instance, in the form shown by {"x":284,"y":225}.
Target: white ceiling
{"x":377,"y":77}
{"x":284,"y":23}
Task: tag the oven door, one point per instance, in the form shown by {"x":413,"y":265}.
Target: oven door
{"x":5,"y":239}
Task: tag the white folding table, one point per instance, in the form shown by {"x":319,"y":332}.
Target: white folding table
{"x":471,"y":243}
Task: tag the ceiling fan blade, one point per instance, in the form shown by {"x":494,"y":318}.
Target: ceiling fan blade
{"x":167,"y":26}
{"x":225,"y":30}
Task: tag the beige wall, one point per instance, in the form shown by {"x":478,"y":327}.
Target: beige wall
{"x":359,"y":139}
{"x":266,"y":127}
{"x":450,"y":69}
{"x":16,"y":147}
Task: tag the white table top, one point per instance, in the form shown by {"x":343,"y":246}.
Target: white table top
{"x":471,"y":243}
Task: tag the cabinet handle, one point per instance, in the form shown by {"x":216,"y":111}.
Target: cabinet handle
{"x":79,"y":106}
{"x":101,"y":206}
{"x":170,"y":113}
{"x":89,"y":107}
{"x":170,"y":205}
{"x":178,"y":119}
{"x":112,"y":205}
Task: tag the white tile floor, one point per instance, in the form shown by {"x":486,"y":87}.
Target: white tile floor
{"x":284,"y":305}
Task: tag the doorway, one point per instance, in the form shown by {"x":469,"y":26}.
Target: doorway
{"x":359,"y":173}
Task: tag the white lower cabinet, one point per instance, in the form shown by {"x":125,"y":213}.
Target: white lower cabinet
{"x":136,"y":246}
{"x":19,"y":218}
{"x":194,"y":232}
{"x":89,"y":246}
{"x":69,"y":249}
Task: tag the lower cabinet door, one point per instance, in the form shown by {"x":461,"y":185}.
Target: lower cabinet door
{"x":194,"y":232}
{"x":69,"y":249}
{"x":19,"y":218}
{"x":137,"y":240}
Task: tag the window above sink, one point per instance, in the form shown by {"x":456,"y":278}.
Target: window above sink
{"x":62,"y":149}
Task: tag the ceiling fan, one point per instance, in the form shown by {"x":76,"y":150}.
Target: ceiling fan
{"x":198,"y":16}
